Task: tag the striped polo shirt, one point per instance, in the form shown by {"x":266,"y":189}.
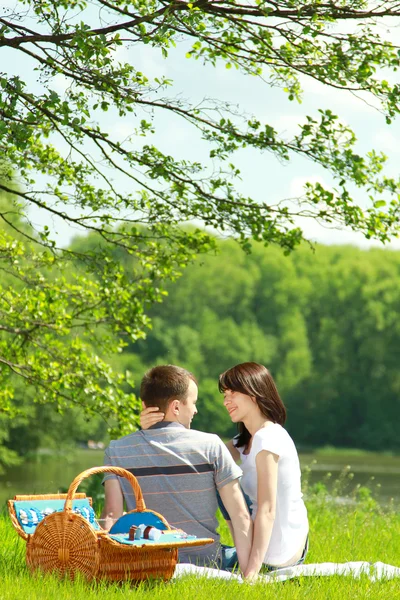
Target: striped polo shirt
{"x":179,"y":471}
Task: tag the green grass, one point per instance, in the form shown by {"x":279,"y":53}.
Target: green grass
{"x":359,"y":530}
{"x":347,"y":452}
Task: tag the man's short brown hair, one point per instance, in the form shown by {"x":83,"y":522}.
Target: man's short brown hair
{"x":163,"y":384}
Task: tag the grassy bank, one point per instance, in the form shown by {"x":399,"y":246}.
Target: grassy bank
{"x":347,"y":452}
{"x":340,"y":532}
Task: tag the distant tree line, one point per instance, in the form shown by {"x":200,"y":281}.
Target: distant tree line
{"x":325,"y":323}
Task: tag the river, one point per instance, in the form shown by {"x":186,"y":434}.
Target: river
{"x":48,"y":474}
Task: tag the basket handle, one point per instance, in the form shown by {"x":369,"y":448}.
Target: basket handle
{"x":140,"y":504}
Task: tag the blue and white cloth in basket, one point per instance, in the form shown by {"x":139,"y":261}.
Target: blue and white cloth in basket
{"x":31,"y":513}
{"x":33,"y":516}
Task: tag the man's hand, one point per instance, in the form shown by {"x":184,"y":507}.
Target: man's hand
{"x":150,"y":416}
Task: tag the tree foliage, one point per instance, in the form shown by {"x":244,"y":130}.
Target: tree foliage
{"x":62,"y":309}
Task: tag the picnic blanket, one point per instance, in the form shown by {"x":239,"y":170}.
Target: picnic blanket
{"x":374,"y":571}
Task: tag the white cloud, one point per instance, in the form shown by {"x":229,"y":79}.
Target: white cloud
{"x":149,"y":61}
{"x":61,"y":83}
{"x":387,"y":142}
{"x":120,"y":54}
{"x":359,"y":101}
{"x":288,"y":124}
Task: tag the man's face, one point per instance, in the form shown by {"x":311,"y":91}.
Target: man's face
{"x":188,"y":409}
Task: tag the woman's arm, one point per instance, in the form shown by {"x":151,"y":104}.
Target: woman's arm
{"x":233,"y":450}
{"x":150,"y":416}
{"x":267,"y":478}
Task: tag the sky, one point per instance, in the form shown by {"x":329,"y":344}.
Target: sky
{"x":263,"y":177}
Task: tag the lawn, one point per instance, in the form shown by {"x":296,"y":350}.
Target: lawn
{"x":354,"y":529}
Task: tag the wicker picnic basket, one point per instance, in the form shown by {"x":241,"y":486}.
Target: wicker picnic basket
{"x":67,"y":543}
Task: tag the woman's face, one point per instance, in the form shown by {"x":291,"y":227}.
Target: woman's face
{"x":239,"y":405}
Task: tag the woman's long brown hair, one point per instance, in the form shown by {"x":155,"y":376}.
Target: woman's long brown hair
{"x":254,"y":380}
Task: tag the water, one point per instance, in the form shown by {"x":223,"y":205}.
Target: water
{"x":50,"y":474}
{"x":47,"y":474}
{"x":378,"y":472}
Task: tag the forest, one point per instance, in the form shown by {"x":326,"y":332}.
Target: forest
{"x":324,"y":320}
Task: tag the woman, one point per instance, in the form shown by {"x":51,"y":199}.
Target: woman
{"x":270,"y":465}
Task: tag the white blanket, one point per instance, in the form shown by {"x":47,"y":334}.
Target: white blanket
{"x":374,"y":571}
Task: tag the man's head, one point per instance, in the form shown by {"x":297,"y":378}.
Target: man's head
{"x":173,"y":390}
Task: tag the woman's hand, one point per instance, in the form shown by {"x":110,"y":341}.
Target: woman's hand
{"x":150,"y":416}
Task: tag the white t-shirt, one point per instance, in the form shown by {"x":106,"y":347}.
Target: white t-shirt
{"x":291,"y":524}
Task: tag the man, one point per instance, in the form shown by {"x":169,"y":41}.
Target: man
{"x":180,"y":470}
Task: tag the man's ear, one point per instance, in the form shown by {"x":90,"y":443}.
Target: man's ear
{"x":143,"y":405}
{"x":175,"y":406}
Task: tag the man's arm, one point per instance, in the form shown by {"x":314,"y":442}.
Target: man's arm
{"x":234,"y":502}
{"x":114,"y":501}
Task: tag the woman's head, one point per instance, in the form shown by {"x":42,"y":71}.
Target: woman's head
{"x":254,"y":381}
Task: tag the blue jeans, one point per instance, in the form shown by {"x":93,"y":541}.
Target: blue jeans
{"x":229,"y":558}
